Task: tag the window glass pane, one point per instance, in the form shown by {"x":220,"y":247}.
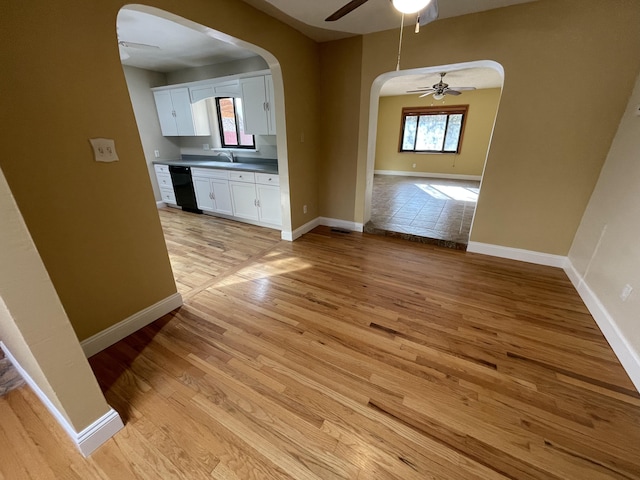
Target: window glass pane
{"x":246,"y":140}
{"x":409,"y":137}
{"x":453,"y":133}
{"x":431,"y":129}
{"x":228,"y":119}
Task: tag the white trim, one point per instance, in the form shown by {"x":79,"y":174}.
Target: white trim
{"x":161,"y":204}
{"x":452,"y":176}
{"x":89,"y":439}
{"x":117,"y":332}
{"x":344,"y":224}
{"x":629,"y":357}
{"x":298,"y":232}
{"x":529,"y":256}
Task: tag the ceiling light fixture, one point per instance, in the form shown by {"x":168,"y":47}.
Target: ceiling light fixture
{"x":410,"y":6}
{"x":438,"y":96}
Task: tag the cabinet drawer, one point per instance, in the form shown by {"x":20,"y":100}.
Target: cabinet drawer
{"x":248,"y":177}
{"x":267,"y":179}
{"x":168,"y":196}
{"x":162,"y":169}
{"x":164,"y":180}
{"x":209,"y":173}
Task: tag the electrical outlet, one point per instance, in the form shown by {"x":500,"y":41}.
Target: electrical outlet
{"x":205,"y":146}
{"x":414,"y":165}
{"x":104,"y":149}
{"x":304,"y":209}
{"x":156,"y":153}
{"x":626,"y":291}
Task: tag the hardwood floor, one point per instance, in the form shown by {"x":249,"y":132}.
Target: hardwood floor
{"x":348,"y":356}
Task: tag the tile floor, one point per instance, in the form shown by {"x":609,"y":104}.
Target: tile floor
{"x":431,"y":210}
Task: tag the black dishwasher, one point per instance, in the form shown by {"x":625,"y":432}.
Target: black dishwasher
{"x":183,"y":188}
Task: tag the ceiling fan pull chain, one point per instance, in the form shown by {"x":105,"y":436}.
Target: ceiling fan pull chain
{"x":400,"y":43}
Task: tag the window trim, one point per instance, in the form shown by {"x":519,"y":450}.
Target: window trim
{"x":221,"y":131}
{"x":438,"y":110}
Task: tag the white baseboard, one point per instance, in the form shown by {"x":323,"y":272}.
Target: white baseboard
{"x":117,"y":332}
{"x":629,"y":357}
{"x":452,"y":176}
{"x":298,"y":232}
{"x":328,"y":222}
{"x":344,"y":224}
{"x":529,"y":256}
{"x":161,"y":204}
{"x":89,"y":439}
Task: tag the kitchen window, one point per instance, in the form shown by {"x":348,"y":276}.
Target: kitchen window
{"x":432,"y":129}
{"x":231,"y":124}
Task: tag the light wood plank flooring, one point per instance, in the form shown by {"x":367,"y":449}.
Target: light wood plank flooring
{"x":348,"y":357}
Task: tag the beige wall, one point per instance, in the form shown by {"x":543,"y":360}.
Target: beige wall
{"x":549,"y":141}
{"x":606,"y":249}
{"x":96,"y":225}
{"x":340,"y":112}
{"x":35,"y":328}
{"x":477,"y":134}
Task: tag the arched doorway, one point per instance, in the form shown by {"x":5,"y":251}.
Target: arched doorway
{"x":422,"y":195}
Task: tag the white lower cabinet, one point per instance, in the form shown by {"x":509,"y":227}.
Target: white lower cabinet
{"x":249,"y":196}
{"x":212,"y":190}
{"x":244,"y":199}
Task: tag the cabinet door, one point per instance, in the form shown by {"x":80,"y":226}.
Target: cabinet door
{"x":254,"y":104}
{"x":243,"y":198}
{"x":271,"y":109}
{"x":204,"y":195}
{"x":221,"y":196}
{"x":164,"y":106}
{"x":269,"y":209}
{"x":182,"y":108}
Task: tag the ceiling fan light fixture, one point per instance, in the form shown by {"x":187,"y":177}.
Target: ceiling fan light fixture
{"x":438,"y":96}
{"x":410,"y":6}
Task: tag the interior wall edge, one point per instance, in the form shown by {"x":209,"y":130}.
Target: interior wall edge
{"x":90,"y":438}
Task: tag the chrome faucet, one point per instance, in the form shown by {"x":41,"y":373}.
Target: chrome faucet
{"x":229,"y":155}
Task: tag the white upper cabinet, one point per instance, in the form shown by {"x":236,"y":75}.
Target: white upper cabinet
{"x":257,"y":105}
{"x":178,"y":117}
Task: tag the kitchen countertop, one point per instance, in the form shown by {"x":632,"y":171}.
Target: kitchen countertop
{"x":242,"y":164}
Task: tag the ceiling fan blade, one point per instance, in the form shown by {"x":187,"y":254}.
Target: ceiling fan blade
{"x":348,"y":8}
{"x":452,"y":92}
{"x":429,"y":14}
{"x":426,"y":94}
{"x":421,"y":90}
{"x":126,"y":44}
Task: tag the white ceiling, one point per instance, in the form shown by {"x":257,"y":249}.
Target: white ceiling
{"x":183,"y":47}
{"x":180,"y":46}
{"x":308,"y":16}
{"x":479,"y":77}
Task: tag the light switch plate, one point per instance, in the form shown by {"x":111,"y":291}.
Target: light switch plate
{"x":104,"y":149}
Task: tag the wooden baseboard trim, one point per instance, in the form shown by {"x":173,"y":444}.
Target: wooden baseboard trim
{"x":117,"y":332}
{"x":89,"y":439}
{"x":628,"y":355}
{"x":451,"y":176}
{"x":529,"y":256}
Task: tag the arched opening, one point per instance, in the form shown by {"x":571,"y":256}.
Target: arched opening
{"x":147,"y":34}
{"x":416,"y":192}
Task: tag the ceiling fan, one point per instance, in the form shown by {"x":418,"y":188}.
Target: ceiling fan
{"x":427,"y":10}
{"x":440,"y":89}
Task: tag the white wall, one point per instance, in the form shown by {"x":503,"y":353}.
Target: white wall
{"x":606,"y":250}
{"x":140,"y":82}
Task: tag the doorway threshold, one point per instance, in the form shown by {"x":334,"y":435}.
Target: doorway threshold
{"x":373,"y":229}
